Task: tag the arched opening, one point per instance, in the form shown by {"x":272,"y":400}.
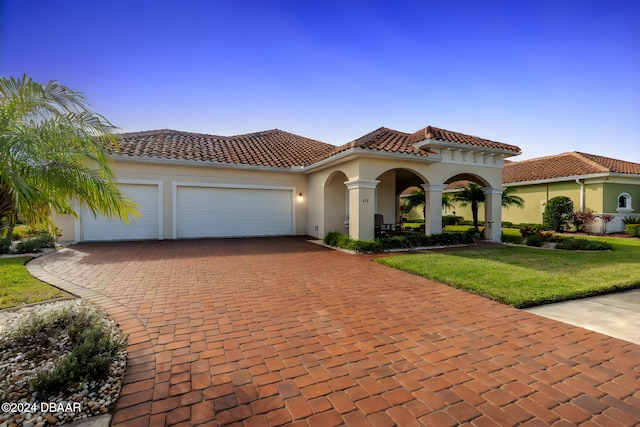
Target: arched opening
{"x":336,"y":214}
{"x":624,"y":203}
{"x":470,"y":197}
{"x":393,"y":196}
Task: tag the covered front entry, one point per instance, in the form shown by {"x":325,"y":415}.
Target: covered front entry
{"x":379,"y":196}
{"x":223,"y":211}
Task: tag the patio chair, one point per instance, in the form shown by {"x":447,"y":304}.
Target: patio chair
{"x":380,"y":228}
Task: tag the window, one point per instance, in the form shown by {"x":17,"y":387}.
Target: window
{"x":624,"y":203}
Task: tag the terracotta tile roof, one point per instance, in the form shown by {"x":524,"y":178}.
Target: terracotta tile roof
{"x":268,"y":148}
{"x":431,"y":132}
{"x":565,"y":165}
{"x":277,"y":148}
{"x":384,"y":139}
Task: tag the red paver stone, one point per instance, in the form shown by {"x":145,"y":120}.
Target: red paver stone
{"x":278,"y":331}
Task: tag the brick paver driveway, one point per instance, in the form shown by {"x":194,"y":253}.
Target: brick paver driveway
{"x":281,"y":331}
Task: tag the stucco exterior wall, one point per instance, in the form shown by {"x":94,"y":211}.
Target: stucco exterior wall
{"x":191,"y":172}
{"x":612,"y":191}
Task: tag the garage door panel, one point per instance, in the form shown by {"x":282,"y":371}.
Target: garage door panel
{"x":144,"y":227}
{"x":233,"y":212}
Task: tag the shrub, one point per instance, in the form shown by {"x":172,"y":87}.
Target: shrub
{"x":5,"y":246}
{"x":532,"y":225}
{"x":36,"y":244}
{"x":631,"y":220}
{"x":605,"y":219}
{"x":343,"y":241}
{"x":527,"y":231}
{"x":581,"y":220}
{"x":574,"y":244}
{"x":534,"y":240}
{"x":632,"y":230}
{"x":451,"y":220}
{"x":509,"y":238}
{"x":507,"y":224}
{"x":94,"y":348}
{"x":558,"y":213}
{"x":94,"y":345}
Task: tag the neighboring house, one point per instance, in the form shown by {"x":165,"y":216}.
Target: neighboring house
{"x":190,"y":185}
{"x":594,"y":183}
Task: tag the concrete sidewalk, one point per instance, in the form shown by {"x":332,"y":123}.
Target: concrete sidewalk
{"x":616,"y":315}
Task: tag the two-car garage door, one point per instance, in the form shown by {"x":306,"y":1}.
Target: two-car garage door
{"x":199,"y":211}
{"x":232,"y":212}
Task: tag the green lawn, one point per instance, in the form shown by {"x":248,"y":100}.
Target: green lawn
{"x":525,"y":277}
{"x":18,"y":287}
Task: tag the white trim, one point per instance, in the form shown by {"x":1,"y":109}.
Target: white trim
{"x":174,"y":199}
{"x":78,"y":229}
{"x":617,"y":178}
{"x":436,"y":143}
{"x":553,"y":180}
{"x":365,"y":152}
{"x":362,"y":183}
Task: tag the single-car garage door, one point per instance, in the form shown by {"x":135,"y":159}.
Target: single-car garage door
{"x":146,"y":226}
{"x":233,"y":212}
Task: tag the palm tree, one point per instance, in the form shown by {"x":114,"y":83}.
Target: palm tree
{"x":471,"y":194}
{"x":510,"y":199}
{"x":54,"y":155}
{"x":417,"y":198}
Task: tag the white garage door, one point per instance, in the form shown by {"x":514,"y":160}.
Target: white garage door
{"x":145,"y":226}
{"x":233,"y":212}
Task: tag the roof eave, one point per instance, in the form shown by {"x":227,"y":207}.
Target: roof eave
{"x":371,"y":153}
{"x":557,"y":179}
{"x":204,"y":163}
{"x":438,"y":144}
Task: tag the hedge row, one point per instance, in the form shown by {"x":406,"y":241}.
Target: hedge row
{"x":342,"y":241}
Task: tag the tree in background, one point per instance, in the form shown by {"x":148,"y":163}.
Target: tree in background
{"x":54,"y":155}
{"x":472,"y":194}
{"x":557,"y":213}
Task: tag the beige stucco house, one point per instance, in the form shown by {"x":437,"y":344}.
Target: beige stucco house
{"x":269,"y":183}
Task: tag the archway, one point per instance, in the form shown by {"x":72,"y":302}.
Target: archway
{"x":336,"y":213}
{"x":389,"y":195}
{"x":484,"y":204}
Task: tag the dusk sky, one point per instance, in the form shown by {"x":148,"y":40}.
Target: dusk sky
{"x":549,"y":76}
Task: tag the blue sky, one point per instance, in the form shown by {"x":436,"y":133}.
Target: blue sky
{"x":550,"y":76}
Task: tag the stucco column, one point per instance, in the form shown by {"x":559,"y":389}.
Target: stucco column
{"x":493,"y":214}
{"x":433,"y":208}
{"x":362,"y":205}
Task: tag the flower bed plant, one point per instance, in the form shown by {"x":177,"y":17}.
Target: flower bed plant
{"x":342,"y":241}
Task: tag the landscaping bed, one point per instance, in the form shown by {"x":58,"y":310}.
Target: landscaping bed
{"x":64,"y":355}
{"x":402,"y":242}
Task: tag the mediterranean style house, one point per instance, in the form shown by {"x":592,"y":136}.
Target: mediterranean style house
{"x":594,"y":183}
{"x":190,"y":185}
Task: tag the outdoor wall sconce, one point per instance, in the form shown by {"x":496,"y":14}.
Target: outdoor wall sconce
{"x":300,"y":197}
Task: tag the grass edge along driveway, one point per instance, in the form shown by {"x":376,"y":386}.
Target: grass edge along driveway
{"x":18,"y":287}
{"x":525,"y":277}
